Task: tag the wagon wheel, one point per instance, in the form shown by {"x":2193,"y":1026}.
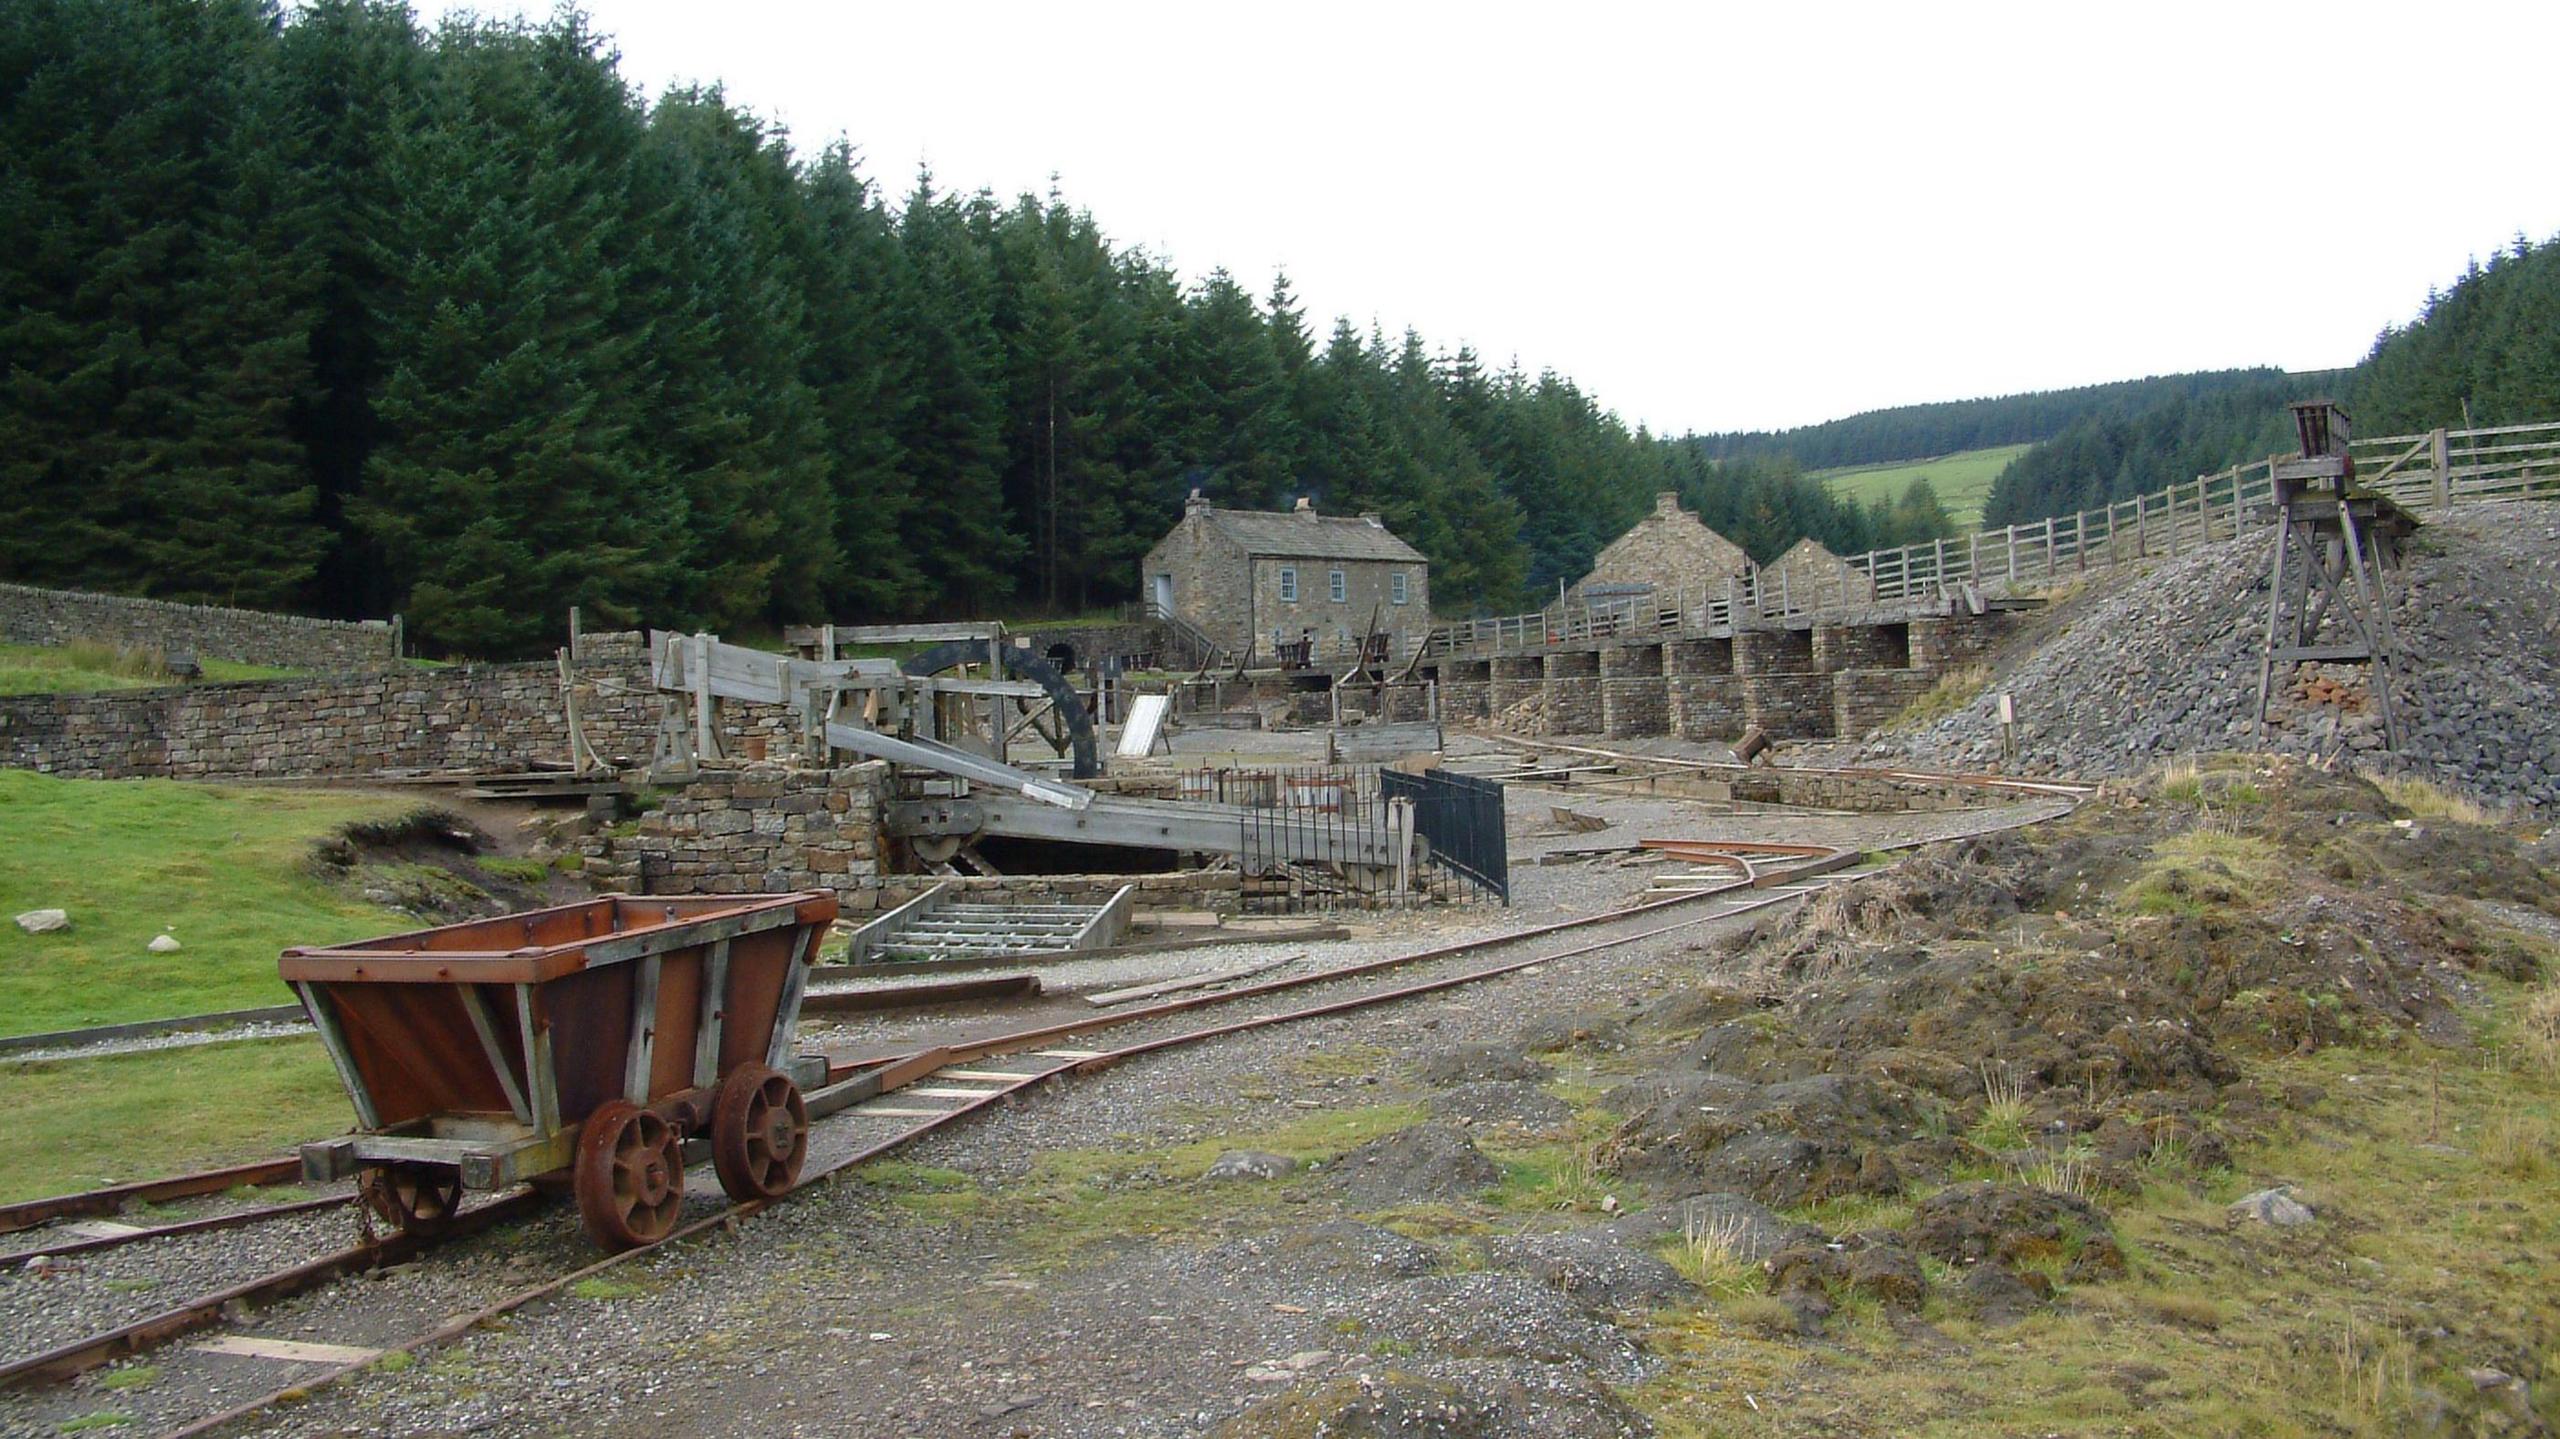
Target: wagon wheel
{"x":759,"y":1133}
{"x":629,"y":1177}
{"x":417,"y":1198}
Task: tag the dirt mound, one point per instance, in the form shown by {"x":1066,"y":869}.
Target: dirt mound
{"x":1593,"y":1268}
{"x":1491,"y":1315}
{"x":431,"y":863}
{"x":1593,"y":1032}
{"x":1465,"y":1063}
{"x":1474,"y":1401}
{"x":1428,"y":1163}
{"x":2016,"y":1226}
{"x":1500,"y":1103}
{"x":2167,"y":663}
{"x":1342,"y":1247}
{"x":2085,"y":992}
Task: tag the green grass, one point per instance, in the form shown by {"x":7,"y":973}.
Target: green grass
{"x":46,"y":669}
{"x":81,"y":1124}
{"x":1963,"y":480}
{"x":219,"y":868}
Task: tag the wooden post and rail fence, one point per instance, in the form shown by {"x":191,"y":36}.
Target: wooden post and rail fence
{"x":2419,"y":472}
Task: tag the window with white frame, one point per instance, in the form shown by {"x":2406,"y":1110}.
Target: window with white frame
{"x":1399,"y":591}
{"x":1289,"y":584}
{"x":1340,"y":586}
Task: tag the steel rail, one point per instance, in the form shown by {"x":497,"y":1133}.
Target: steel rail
{"x":28,"y":1213}
{"x":461,"y":1325}
{"x":235,"y":1220}
{"x":80,"y":1355}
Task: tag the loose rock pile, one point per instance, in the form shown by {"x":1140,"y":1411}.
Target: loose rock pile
{"x":2168,"y":664}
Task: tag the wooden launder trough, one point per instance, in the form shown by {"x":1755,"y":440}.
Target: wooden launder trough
{"x":583,"y":1042}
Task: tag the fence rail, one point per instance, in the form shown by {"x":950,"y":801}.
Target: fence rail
{"x":2419,"y":472}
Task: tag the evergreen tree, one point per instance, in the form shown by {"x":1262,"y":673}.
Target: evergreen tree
{"x":154,"y":305}
{"x":510,"y":481}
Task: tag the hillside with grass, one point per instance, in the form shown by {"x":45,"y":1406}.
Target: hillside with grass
{"x":85,"y":666}
{"x":1962,"y":480}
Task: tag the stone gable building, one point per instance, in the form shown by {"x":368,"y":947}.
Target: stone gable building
{"x":1253,"y":580}
{"x":1810,"y":576}
{"x":1667,"y":551}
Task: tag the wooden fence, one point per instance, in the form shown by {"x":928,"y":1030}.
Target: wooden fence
{"x":2420,"y":472}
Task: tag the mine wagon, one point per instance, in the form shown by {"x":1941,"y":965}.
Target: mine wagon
{"x":581,"y":1044}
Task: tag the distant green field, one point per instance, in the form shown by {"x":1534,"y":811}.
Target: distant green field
{"x":1963,"y":480}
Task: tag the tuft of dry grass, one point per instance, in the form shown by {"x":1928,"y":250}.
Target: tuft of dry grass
{"x":1709,"y":1254}
{"x":2424,"y":799}
{"x":2002,"y":1126}
{"x":1954,"y":690}
{"x":2541,"y":1026}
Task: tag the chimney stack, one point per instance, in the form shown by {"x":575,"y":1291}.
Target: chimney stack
{"x":1195,"y":505}
{"x":1306,"y":508}
{"x":1666,"y":502}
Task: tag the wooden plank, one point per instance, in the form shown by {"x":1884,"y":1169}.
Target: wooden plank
{"x":1108,"y":997}
{"x":289,"y":1351}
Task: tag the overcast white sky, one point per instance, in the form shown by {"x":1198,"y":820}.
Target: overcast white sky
{"x":1718,"y":217}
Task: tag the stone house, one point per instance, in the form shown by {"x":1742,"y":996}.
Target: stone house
{"x":1255,"y":579}
{"x":1810,"y":576}
{"x":1667,"y":551}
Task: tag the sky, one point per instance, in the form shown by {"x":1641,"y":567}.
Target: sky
{"x":1715,"y":217}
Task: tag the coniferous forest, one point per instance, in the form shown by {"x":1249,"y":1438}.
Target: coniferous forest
{"x":323,"y":311}
{"x":326,"y":312}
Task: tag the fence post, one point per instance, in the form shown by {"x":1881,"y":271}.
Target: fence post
{"x":2444,"y":470}
{"x":2079,"y":543}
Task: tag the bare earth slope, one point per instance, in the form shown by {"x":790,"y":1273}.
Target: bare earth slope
{"x":2168,"y":664}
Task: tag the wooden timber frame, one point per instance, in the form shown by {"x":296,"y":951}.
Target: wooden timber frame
{"x":2333,"y":544}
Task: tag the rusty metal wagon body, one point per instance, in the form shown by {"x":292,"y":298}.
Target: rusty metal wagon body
{"x":585,"y":1041}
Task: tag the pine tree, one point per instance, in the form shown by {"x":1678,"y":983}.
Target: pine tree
{"x":155,"y":304}
{"x":953,"y":437}
{"x":510,"y":483}
{"x":732,"y":415}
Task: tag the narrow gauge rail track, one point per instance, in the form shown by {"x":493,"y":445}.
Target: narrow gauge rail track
{"x":860,"y":1083}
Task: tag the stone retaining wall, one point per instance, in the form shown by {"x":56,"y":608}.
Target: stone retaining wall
{"x":1704,"y":706}
{"x":753,"y":829}
{"x":1573,"y":692}
{"x":31,"y":616}
{"x":1791,"y":705}
{"x":467,"y":717}
{"x":1863,"y":699}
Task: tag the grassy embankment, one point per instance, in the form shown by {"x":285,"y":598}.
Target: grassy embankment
{"x":219,"y":868}
{"x":47,"y":669}
{"x":1962,"y":480}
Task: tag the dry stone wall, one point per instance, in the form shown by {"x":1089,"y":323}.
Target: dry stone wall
{"x":31,"y":616}
{"x":753,"y":829}
{"x":463,"y":717}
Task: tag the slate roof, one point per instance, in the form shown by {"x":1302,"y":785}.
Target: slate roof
{"x":1326,"y":537}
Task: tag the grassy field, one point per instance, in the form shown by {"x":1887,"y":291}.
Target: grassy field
{"x":79,"y":1124}
{"x":48,"y":669}
{"x":219,"y":868}
{"x":1963,"y":480}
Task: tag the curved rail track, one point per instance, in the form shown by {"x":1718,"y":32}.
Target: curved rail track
{"x":1764,"y":875}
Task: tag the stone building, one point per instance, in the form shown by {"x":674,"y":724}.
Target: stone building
{"x":1666,"y":551}
{"x":1810,"y":576}
{"x":1255,"y":579}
